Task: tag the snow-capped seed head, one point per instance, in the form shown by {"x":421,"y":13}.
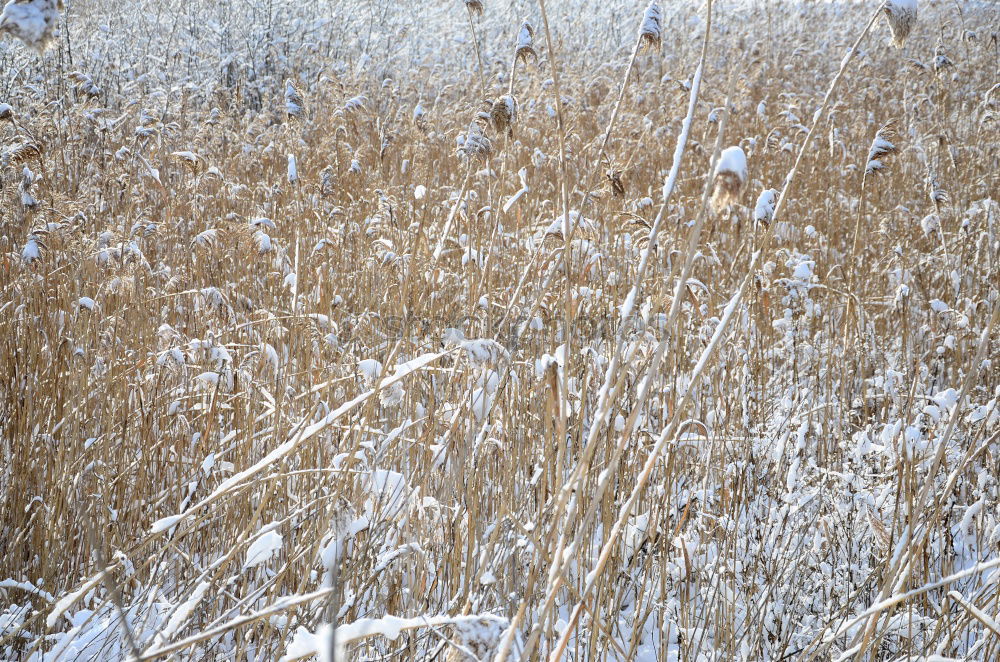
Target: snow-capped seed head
{"x":937,"y":194}
{"x":764,"y":210}
{"x":478,"y":636}
{"x":901,"y":15}
{"x":20,"y":153}
{"x":650,"y":32}
{"x":525,"y":43}
{"x":6,"y":112}
{"x":355,"y":104}
{"x":33,"y":247}
{"x":191,"y":160}
{"x":34,"y":22}
{"x":881,"y":148}
{"x":730,"y":174}
{"x":503,"y":114}
{"x":930,"y":223}
{"x":474,"y":7}
{"x":475,"y":144}
{"x":293,"y":100}
{"x":941,"y":61}
{"x":84,"y":83}
{"x":614,"y":179}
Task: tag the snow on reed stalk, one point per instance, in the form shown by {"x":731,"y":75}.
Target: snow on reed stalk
{"x":567,"y":499}
{"x":609,"y":473}
{"x":669,"y":432}
{"x":881,"y":148}
{"x":247,"y":370}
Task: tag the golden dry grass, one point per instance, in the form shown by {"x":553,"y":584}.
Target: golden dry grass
{"x":196,"y":335}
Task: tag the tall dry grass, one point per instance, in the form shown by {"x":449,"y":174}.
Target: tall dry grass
{"x":304,"y":329}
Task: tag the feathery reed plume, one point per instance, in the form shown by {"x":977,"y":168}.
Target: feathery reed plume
{"x":84,"y":83}
{"x":503,"y":115}
{"x":930,"y":224}
{"x":326,"y":180}
{"x":475,"y":145}
{"x":418,"y":114}
{"x":32,"y":21}
{"x":34,"y":246}
{"x":474,"y":6}
{"x":730,"y":174}
{"x":293,"y":100}
{"x":941,"y":61}
{"x":900,"y":15}
{"x":193,"y":162}
{"x":355,"y":104}
{"x":525,"y":43}
{"x":19,"y":153}
{"x":650,"y":33}
{"x":937,"y":194}
{"x":881,"y":148}
{"x":614,"y":179}
{"x":28,"y":178}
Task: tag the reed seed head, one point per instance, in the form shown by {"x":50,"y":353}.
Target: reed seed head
{"x":294,"y":105}
{"x":730,"y":175}
{"x":503,"y":115}
{"x":901,"y":16}
{"x":475,"y":7}
{"x":650,"y":32}
{"x":881,"y":148}
{"x":525,"y":43}
{"x":475,"y":144}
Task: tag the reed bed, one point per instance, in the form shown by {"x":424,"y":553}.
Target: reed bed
{"x":482,"y":331}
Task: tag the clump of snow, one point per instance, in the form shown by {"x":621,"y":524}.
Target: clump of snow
{"x":370,"y":368}
{"x":734,"y":160}
{"x":263,"y":548}
{"x":32,"y":21}
{"x":165,"y":523}
{"x":763,"y":211}
{"x":577,"y":223}
{"x":389,"y":493}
